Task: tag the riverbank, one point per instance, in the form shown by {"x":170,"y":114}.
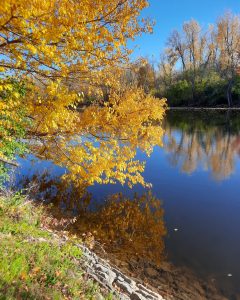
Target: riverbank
{"x":37,"y":263}
{"x":33,"y":264}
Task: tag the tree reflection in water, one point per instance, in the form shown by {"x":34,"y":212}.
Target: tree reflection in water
{"x":126,"y":227}
{"x":131,"y":233}
{"x":133,"y":230}
{"x":207,"y":139}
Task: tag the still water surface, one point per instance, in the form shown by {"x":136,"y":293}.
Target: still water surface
{"x":196,"y":175}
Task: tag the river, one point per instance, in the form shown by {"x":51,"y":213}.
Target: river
{"x":196,"y":177}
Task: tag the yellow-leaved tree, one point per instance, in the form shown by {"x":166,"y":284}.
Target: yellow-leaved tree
{"x":67,"y":51}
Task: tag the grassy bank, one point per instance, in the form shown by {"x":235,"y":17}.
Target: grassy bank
{"x":33,"y":265}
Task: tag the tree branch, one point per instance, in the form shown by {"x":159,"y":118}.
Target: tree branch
{"x":9,"y":162}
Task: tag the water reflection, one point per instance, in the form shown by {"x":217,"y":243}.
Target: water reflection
{"x":127,"y":227}
{"x":131,"y":232}
{"x":134,"y":229}
{"x":207,"y":140}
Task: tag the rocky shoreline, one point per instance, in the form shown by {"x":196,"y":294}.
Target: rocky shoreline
{"x":114,"y":280}
{"x":169,"y":281}
{"x":141,"y":280}
{"x":109,"y":277}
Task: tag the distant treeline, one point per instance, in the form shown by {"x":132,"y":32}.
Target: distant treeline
{"x":198,"y":67}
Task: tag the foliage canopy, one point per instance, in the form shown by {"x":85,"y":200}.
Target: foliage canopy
{"x":65,"y":50}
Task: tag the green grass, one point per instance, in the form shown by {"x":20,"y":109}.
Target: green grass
{"x":33,"y":265}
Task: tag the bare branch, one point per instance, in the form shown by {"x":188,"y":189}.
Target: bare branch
{"x":9,"y":162}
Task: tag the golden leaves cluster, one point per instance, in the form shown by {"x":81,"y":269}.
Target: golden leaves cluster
{"x":59,"y":38}
{"x":101,"y":144}
{"x":67,"y":49}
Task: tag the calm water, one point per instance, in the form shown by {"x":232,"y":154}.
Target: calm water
{"x":196,"y":175}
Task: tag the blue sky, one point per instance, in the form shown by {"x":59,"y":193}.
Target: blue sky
{"x":170,"y":14}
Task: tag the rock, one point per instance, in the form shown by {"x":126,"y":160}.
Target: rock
{"x":140,"y":296}
{"x":113,"y":280}
{"x":122,"y":277}
{"x":125,"y":287}
{"x":143,"y":288}
{"x":137,"y":296}
{"x":100,"y":267}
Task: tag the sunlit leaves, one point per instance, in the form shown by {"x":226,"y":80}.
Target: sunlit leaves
{"x":101,"y":144}
{"x":69,"y":51}
{"x":44,"y":36}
